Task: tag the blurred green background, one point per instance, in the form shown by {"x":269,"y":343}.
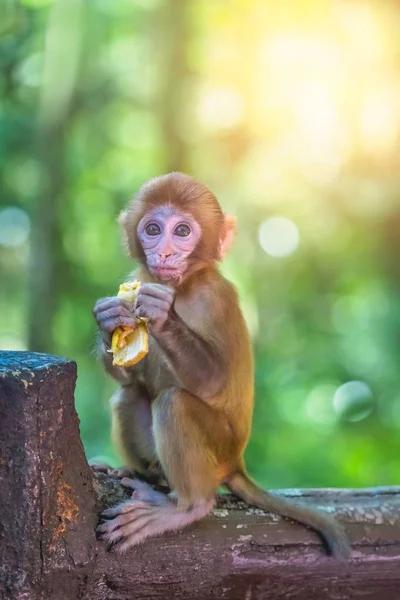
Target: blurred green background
{"x":290,"y":112}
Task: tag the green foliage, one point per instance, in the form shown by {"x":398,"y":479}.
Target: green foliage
{"x":284,"y":112}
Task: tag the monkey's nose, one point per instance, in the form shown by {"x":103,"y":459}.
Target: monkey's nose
{"x":164,"y":256}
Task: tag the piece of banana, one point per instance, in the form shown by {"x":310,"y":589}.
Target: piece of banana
{"x":130,"y":344}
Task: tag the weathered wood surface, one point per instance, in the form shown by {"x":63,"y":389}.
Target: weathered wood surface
{"x":50,"y":502}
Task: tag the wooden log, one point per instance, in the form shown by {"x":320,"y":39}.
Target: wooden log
{"x":46,"y":489}
{"x":50,"y":503}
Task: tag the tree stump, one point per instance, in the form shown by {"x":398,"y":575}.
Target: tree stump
{"x":51,"y":500}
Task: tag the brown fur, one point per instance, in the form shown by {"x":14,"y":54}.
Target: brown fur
{"x":187,"y":194}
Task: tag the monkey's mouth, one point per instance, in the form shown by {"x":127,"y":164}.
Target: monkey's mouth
{"x":163,"y":272}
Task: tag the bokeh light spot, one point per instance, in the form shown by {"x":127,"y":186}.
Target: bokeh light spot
{"x":319,"y":405}
{"x":30,"y":72}
{"x":353,"y":401}
{"x":221,"y":108}
{"x":278,"y":236}
{"x":14,"y":227}
{"x":26,"y":177}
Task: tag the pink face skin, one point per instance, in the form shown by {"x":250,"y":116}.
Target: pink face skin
{"x":168,"y":238}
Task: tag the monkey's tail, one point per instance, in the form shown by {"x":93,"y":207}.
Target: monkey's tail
{"x":329,"y":529}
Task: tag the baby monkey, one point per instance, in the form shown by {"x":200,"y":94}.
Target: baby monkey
{"x":187,"y":406}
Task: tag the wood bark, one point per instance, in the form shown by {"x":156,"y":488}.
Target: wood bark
{"x":50,"y":504}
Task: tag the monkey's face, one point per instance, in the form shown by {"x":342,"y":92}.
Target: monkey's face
{"x":168,"y":238}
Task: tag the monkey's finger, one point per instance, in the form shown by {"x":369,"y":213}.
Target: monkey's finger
{"x":150,"y":301}
{"x":149,"y":313}
{"x":113,"y":313}
{"x":152,"y":311}
{"x":155,"y":290}
{"x":112,"y":304}
{"x":164,"y":297}
{"x":105,"y":300}
{"x":112,"y":324}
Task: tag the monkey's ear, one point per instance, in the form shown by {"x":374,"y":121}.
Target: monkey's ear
{"x":122,"y":217}
{"x":123,"y":222}
{"x":228,"y":234}
{"x":129,"y":238}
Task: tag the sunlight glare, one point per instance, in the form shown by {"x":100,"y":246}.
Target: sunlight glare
{"x":221,"y":108}
{"x":294,"y":49}
{"x":379,"y":121}
{"x":317,"y":115}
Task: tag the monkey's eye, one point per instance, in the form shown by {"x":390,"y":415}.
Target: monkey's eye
{"x":182,"y":230}
{"x":153,"y":229}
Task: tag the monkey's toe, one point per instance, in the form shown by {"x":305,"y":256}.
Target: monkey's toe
{"x":123,"y":531}
{"x":128,"y":506}
{"x":135,"y":532}
{"x":122,"y":472}
{"x":135,"y":484}
{"x":99,"y":467}
{"x":144,"y":492}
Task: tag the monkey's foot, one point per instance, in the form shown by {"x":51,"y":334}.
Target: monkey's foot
{"x":119,"y":472}
{"x":153,"y":475}
{"x":146,"y":514}
{"x":143,"y":491}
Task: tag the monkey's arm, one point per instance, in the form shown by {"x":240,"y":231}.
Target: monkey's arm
{"x":124,"y":376}
{"x":197,"y":363}
{"x":198,"y":359}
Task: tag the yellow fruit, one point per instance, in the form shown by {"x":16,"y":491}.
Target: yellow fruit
{"x":129,"y":344}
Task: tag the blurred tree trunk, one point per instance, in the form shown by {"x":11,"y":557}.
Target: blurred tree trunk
{"x":62,"y":54}
{"x":46,"y":241}
{"x":171,"y":40}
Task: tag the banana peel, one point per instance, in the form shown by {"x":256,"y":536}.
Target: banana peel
{"x":130,"y":344}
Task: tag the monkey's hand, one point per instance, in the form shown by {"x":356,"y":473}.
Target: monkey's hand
{"x":154,"y":302}
{"x":111,"y":313}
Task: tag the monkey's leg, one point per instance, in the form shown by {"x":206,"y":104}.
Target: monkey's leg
{"x":191,"y":440}
{"x":132,"y":432}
